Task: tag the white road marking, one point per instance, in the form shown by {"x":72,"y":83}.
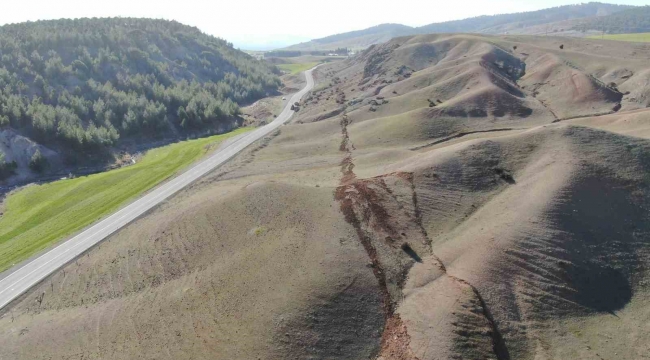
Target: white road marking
{"x":30,"y":274}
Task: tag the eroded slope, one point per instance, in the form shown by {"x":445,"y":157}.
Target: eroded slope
{"x":430,"y":200}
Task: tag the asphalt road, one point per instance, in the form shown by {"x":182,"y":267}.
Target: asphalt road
{"x":31,"y":273}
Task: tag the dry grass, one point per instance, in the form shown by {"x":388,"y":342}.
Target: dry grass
{"x":411,"y":231}
{"x":296,"y":68}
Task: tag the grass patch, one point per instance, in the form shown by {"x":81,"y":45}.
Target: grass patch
{"x":639,"y":37}
{"x":40,"y":215}
{"x":297,"y":68}
{"x":259,"y":230}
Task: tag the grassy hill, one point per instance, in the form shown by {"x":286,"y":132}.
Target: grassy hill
{"x":81,"y":86}
{"x":633,"y":37}
{"x":566,"y":17}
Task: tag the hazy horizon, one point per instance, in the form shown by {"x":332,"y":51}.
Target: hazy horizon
{"x":262,"y":25}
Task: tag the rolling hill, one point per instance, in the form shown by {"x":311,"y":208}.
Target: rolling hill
{"x":557,"y":19}
{"x":356,"y":39}
{"x":445,"y":196}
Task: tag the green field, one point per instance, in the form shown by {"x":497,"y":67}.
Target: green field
{"x":640,"y":37}
{"x":40,"y":215}
{"x":297,"y":68}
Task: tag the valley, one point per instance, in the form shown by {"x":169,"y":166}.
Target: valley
{"x":437,"y":196}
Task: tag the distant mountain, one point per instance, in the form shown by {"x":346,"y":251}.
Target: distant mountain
{"x":265,"y":42}
{"x":511,"y":23}
{"x":628,"y":21}
{"x":565,"y":17}
{"x":356,"y":39}
{"x":383,"y":29}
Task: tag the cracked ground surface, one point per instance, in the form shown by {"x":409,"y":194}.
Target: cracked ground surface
{"x":457,"y":219}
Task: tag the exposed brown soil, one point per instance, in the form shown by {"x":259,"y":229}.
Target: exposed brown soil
{"x":352,"y":196}
{"x":454,"y":220}
{"x":395,"y":341}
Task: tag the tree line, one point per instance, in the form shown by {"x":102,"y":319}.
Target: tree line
{"x":296,"y":53}
{"x":635,"y":20}
{"x":83,"y":84}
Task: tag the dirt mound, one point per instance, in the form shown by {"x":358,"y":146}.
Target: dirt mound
{"x":632,"y":123}
{"x":567,"y":90}
{"x":489,"y":101}
{"x":181,"y":283}
{"x":533,"y":250}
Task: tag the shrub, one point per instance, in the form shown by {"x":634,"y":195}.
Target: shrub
{"x":6,"y":168}
{"x":38,"y":163}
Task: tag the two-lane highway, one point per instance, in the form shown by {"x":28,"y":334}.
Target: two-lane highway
{"x":31,"y":273}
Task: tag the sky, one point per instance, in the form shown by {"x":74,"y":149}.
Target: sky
{"x":254,"y":24}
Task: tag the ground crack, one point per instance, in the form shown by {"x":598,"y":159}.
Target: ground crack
{"x":498,"y":344}
{"x":395,"y":339}
{"x":459,"y":135}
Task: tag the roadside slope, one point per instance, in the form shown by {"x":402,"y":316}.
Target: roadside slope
{"x":34,"y":271}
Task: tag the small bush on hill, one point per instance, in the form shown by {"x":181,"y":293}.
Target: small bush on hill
{"x":6,"y":168}
{"x":38,"y":163}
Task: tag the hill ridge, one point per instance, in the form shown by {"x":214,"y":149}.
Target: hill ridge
{"x":490,"y":24}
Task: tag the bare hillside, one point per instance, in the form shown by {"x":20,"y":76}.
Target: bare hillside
{"x":571,"y":20}
{"x":435,"y":197}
